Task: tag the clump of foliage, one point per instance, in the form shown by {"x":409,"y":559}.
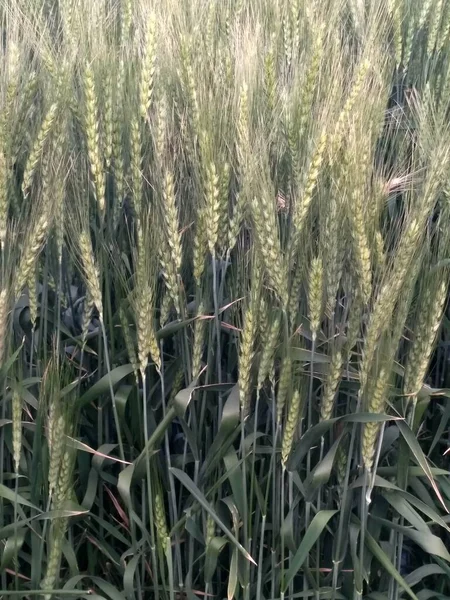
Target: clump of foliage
{"x":224,"y":236}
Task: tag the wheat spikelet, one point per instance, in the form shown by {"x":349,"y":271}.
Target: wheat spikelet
{"x":246,"y":354}
{"x":57,"y":431}
{"x":287,"y":38}
{"x":161,"y":129}
{"x":32,"y":300}
{"x":312,"y":73}
{"x":19,"y":132}
{"x":190,"y":88}
{"x":424,"y":13}
{"x":171,"y":255}
{"x":146,"y":337}
{"x":198,"y":342}
{"x":129,"y":342}
{"x":210,"y":530}
{"x":333,"y":254}
{"x":445,"y":28}
{"x":349,"y":104}
{"x":148,"y":67}
{"x":210,"y":36}
{"x":177,"y":385}
{"x":16,"y":428}
{"x":63,"y":488}
{"x":269,"y":245}
{"x":4,"y":311}
{"x":409,"y":39}
{"x":38,"y":148}
{"x":315,"y":295}
{"x":283,"y":387}
{"x":223,"y":220}
{"x":354,"y":322}
{"x":361,"y":248}
{"x":212,"y":207}
{"x":86,"y":319}
{"x":200,"y":242}
{"x":3,"y":199}
{"x":108,"y":118}
{"x":58,"y":530}
{"x":291,"y":427}
{"x":428,"y":321}
{"x":397,"y":30}
{"x":235,"y":222}
{"x":136,"y":165}
{"x":34,"y":243}
{"x":295,"y":16}
{"x":341,"y":465}
{"x":243,"y":141}
{"x":92,"y":133}
{"x":126,"y":21}
{"x":301,"y":207}
{"x":376,"y":403}
{"x":160,"y":520}
{"x":12,"y":70}
{"x":435,"y":22}
{"x":165,"y":308}
{"x":270,"y":76}
{"x":269,"y":344}
{"x":90,"y":271}
{"x":382,"y":311}
{"x":331,"y":384}
{"x":117,"y":153}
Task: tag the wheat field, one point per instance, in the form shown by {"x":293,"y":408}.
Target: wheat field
{"x":224,"y":336}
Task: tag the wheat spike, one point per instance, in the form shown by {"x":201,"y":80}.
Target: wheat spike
{"x":376,"y":403}
{"x":246,"y":354}
{"x":148,"y":67}
{"x":283,"y":387}
{"x":38,"y":148}
{"x":331,"y":385}
{"x":90,"y":270}
{"x":199,"y":341}
{"x":302,"y":206}
{"x":16,"y":428}
{"x":269,"y":345}
{"x":428,"y":322}
{"x":291,"y":427}
{"x":315,"y":295}
{"x":93,"y":138}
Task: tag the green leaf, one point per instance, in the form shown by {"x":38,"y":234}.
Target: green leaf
{"x":213,"y":549}
{"x":172,"y":328}
{"x":182,"y":399}
{"x":312,"y":534}
{"x":235,"y":478}
{"x":233,"y":575}
{"x":441,"y":427}
{"x":416,"y":576}
{"x":307,"y":441}
{"x":362,"y":417}
{"x":402,"y":501}
{"x":321,"y":473}
{"x":13,"y":544}
{"x":10,"y":495}
{"x":103,"y":385}
{"x":228,"y":429}
{"x":304,"y":355}
{"x":128,"y":576}
{"x":107,"y":588}
{"x":420,"y":457}
{"x":423,"y":538}
{"x":200,"y":498}
{"x":386,"y":563}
